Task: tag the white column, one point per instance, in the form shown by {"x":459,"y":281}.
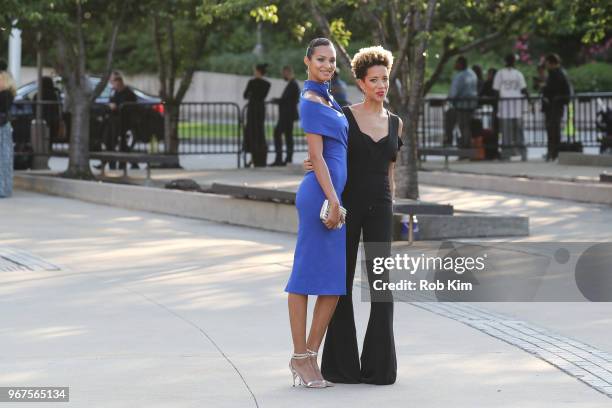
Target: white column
{"x":15,"y":55}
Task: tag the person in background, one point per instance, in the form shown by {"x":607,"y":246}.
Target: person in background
{"x":463,"y":100}
{"x":488,"y":96}
{"x":338,"y":89}
{"x":539,"y":80}
{"x":119,"y":117}
{"x":511,"y":85}
{"x":287,"y":114}
{"x":480,"y":80}
{"x":254,"y":133}
{"x":556,"y":94}
{"x":487,"y":90}
{"x":121,"y":92}
{"x":52,"y":109}
{"x":7,"y":95}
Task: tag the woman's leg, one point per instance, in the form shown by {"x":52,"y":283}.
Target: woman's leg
{"x":298,"y":306}
{"x":322,"y":314}
{"x":378,"y":359}
{"x":323,"y":311}
{"x":340,"y":361}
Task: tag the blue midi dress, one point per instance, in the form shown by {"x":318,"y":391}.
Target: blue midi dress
{"x":319,"y":262}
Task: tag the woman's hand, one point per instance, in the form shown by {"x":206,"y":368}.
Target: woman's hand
{"x":334,"y":217}
{"x":307,"y":165}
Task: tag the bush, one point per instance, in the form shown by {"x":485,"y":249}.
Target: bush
{"x":593,"y":77}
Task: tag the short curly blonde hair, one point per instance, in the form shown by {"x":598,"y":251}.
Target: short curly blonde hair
{"x":369,"y":57}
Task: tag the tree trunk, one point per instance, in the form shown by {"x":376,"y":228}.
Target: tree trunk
{"x":410,"y":159}
{"x":171,"y":135}
{"x":412,"y":106}
{"x":412,"y":96}
{"x":406,"y":170}
{"x":80,"y":107}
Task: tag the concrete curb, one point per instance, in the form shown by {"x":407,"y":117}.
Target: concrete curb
{"x":211,"y":207}
{"x":583,"y":159}
{"x":265,"y":215}
{"x":564,"y":190}
{"x":462,"y":225}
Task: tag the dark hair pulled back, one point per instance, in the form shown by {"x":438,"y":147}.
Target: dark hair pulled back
{"x":317,"y":42}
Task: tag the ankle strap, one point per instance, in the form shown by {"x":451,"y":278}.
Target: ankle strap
{"x":312,"y":353}
{"x":300,"y":356}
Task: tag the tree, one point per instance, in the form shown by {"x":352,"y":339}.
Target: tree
{"x":408,"y":28}
{"x":69,"y":24}
{"x":180,"y":30}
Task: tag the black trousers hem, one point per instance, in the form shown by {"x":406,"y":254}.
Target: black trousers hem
{"x":341,"y":361}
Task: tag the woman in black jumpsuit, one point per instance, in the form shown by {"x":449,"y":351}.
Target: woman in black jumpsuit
{"x":368,"y":198}
{"x":254,"y":132}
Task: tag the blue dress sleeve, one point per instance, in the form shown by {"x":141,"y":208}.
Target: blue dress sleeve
{"x":318,"y":119}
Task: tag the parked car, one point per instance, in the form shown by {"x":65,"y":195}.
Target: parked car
{"x":145,"y":119}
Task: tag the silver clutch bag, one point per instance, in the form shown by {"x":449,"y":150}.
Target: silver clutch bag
{"x":325,"y":212}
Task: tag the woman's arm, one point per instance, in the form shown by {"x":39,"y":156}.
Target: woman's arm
{"x":315,"y":152}
{"x":392,"y":179}
{"x":247,"y":91}
{"x":400,"y":128}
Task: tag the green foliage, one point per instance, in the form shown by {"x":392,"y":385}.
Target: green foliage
{"x":265,"y":13}
{"x":210,"y":10}
{"x":134,"y":54}
{"x":299,"y":30}
{"x":339,"y":32}
{"x":593,"y":77}
{"x":58,"y":17}
{"x":588,"y":18}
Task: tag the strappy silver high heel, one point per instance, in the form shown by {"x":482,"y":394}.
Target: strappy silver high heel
{"x":314,"y":355}
{"x":297,"y":375}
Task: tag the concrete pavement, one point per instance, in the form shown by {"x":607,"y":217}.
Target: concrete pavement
{"x":160,"y":311}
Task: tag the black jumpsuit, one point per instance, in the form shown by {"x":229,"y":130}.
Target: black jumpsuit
{"x":367,"y":198}
{"x":254,"y":132}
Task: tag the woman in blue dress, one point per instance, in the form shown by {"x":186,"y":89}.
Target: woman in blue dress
{"x":319,"y":265}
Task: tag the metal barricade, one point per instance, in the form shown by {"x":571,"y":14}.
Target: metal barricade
{"x":515,"y":122}
{"x":191,"y":128}
{"x":270,"y":123}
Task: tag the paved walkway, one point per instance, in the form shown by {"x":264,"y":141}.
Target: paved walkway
{"x":140,"y":309}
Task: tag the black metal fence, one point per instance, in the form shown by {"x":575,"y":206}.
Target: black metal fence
{"x":201,"y":127}
{"x":443,"y":121}
{"x":218,"y":127}
{"x":271,"y":119}
{"x":56,"y":117}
